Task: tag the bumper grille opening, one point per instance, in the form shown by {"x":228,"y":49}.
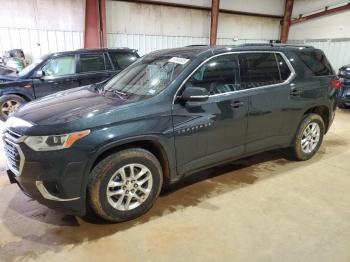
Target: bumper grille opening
{"x":12,"y":151}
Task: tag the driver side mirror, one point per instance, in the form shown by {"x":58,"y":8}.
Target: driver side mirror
{"x":39,"y":74}
{"x":193,"y":93}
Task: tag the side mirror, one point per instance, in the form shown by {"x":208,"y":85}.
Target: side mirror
{"x":192,"y":93}
{"x":39,"y":74}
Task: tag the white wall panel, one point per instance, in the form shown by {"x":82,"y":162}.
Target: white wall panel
{"x":150,"y":27}
{"x":63,"y":15}
{"x":148,"y":43}
{"x":272,"y":7}
{"x":337,"y":51}
{"x":41,"y":26}
{"x":36,"y":42}
{"x":326,"y":27}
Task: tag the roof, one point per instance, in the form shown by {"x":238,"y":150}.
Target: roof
{"x":196,"y":50}
{"x":94,"y":50}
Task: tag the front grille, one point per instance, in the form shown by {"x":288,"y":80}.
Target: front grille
{"x":13,"y":151}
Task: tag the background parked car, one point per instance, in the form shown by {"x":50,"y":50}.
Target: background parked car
{"x":14,"y":59}
{"x":344,"y":94}
{"x":5,"y":70}
{"x":60,"y":71}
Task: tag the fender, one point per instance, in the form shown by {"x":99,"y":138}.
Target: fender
{"x":26,"y":93}
{"x":166,"y":146}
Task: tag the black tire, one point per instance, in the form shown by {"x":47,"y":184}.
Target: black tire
{"x":297,"y":151}
{"x":102,"y":174}
{"x":5,"y":101}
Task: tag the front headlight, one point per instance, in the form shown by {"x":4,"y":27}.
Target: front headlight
{"x":54,"y":142}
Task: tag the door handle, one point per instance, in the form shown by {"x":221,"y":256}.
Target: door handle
{"x":237,"y":104}
{"x":295,"y":92}
{"x":71,"y":79}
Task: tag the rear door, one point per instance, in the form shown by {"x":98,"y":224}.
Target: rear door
{"x":265,"y":76}
{"x":211,"y":131}
{"x":94,"y":68}
{"x":59,"y":74}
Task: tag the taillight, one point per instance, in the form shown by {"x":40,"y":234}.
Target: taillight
{"x":336,"y":83}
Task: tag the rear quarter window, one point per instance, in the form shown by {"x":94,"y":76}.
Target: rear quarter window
{"x":122,"y":60}
{"x":316,"y":62}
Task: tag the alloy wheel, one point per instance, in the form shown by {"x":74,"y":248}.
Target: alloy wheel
{"x":310,"y":138}
{"x":129,"y":187}
{"x":9,"y":107}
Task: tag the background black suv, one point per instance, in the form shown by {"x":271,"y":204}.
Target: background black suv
{"x":60,"y":71}
{"x":344,"y":94}
{"x":174,"y":112}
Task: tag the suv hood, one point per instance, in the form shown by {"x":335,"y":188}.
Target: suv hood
{"x":68,"y":111}
{"x":7,"y":78}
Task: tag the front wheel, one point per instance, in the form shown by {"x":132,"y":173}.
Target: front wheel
{"x":309,"y":137}
{"x":9,"y":104}
{"x":125,"y":185}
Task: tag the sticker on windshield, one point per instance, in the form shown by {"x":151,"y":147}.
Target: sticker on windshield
{"x":179,"y":60}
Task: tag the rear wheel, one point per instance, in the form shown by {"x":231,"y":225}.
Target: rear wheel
{"x":125,"y":185}
{"x":309,"y":137}
{"x":9,"y":104}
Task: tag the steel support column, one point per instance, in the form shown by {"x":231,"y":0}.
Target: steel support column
{"x":287,"y":20}
{"x":95,"y":24}
{"x":214,"y":21}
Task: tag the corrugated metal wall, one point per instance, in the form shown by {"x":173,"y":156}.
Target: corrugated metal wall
{"x":36,"y":42}
{"x":337,"y":50}
{"x":147,"y":43}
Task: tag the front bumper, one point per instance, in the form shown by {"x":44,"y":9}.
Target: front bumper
{"x":52,"y":178}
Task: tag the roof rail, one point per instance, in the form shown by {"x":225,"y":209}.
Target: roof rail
{"x":196,"y":45}
{"x":277,"y":45}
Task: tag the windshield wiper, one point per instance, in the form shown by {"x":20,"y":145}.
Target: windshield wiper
{"x":116,"y":92}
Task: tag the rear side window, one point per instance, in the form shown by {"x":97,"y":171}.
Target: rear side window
{"x":316,"y":62}
{"x":122,"y":60}
{"x":92,"y":63}
{"x":259,"y":69}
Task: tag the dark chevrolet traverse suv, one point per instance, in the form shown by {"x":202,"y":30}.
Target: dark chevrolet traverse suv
{"x":174,"y":112}
{"x":60,"y":71}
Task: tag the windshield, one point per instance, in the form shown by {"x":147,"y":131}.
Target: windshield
{"x":30,"y":67}
{"x":147,"y":77}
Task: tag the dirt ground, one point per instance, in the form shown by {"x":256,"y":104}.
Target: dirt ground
{"x":263,"y":208}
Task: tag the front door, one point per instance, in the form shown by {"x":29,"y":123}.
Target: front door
{"x":59,"y":74}
{"x":212,"y":131}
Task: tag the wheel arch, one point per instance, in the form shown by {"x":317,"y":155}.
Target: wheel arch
{"x":22,"y":95}
{"x":322,"y":111}
{"x":151,"y":144}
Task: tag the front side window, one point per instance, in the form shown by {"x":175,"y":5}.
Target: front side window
{"x":147,"y":77}
{"x":258,"y":69}
{"x":123,"y":60}
{"x":92,"y":63}
{"x":218,"y":75}
{"x":30,"y":67}
{"x":60,"y":66}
